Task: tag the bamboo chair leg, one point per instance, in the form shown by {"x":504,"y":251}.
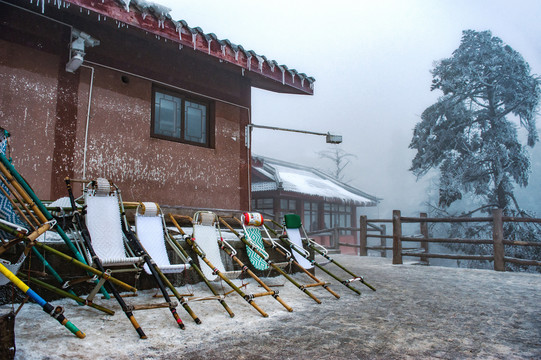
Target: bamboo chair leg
{"x":270,"y":263}
{"x":248,"y":299}
{"x":257,"y":279}
{"x":196,"y":268}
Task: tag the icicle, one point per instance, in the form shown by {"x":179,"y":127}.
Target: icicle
{"x":236,"y":55}
{"x":283,"y":74}
{"x":126,"y":5}
{"x":99,"y":17}
{"x":223,"y":49}
{"x":43,"y":6}
{"x":260,"y":61}
{"x":302,"y":81}
{"x":194,"y":40}
{"x":208,"y":42}
{"x":144,"y":15}
{"x":180,"y":46}
{"x":30,"y":1}
{"x":249,"y":62}
{"x":293,"y":78}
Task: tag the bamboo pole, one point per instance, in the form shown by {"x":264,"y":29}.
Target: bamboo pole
{"x":86,"y":238}
{"x":99,"y":273}
{"x":71,"y":296}
{"x":196,"y":268}
{"x":303,"y":288}
{"x":269,"y":291}
{"x":346,"y":283}
{"x":246,"y":297}
{"x":57,"y":313}
{"x":28,"y":195}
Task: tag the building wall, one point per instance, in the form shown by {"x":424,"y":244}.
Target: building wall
{"x":45,"y":109}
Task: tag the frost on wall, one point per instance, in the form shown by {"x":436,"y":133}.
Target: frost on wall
{"x":31,"y":122}
{"x":149,"y":169}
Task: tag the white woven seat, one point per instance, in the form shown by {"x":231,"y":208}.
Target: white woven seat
{"x":150,"y":231}
{"x":104,"y":225}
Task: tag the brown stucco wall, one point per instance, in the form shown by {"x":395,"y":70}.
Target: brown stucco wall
{"x":28,"y":99}
{"x":149,"y":169}
{"x":45,"y":109}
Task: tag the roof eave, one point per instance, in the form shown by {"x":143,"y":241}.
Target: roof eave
{"x":263,"y":73}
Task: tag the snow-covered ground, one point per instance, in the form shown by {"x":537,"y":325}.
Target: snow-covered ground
{"x":417,"y":312}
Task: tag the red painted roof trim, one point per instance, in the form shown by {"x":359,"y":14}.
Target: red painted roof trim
{"x":266,"y":74}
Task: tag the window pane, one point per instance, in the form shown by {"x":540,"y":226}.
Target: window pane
{"x":167,"y":115}
{"x":283,"y":204}
{"x":292,"y":205}
{"x":195,"y":118}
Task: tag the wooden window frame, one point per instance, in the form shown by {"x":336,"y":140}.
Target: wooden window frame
{"x":210,"y":114}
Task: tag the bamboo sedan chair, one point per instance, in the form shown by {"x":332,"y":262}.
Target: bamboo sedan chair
{"x":296,"y":237}
{"x":29,"y":219}
{"x":152,"y":233}
{"x":253,"y":229}
{"x":206,"y":241}
{"x":111,"y":243}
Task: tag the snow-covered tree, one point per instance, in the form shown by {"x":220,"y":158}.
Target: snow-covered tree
{"x":340,"y":160}
{"x":470,"y":133}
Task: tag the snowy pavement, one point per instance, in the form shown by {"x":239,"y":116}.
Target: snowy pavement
{"x":417,"y":312}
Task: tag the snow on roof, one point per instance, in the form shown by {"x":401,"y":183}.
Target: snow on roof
{"x":156,"y":19}
{"x":306,"y":182}
{"x":309,"y":181}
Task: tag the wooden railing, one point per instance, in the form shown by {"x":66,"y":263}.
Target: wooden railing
{"x":498,"y":254}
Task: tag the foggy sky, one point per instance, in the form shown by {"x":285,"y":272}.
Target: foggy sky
{"x":371,"y":61}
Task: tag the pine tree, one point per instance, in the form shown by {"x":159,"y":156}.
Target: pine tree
{"x":470,"y":136}
{"x":470,"y":133}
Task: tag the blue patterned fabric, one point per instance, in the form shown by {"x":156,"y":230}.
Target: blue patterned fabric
{"x":6,"y":209}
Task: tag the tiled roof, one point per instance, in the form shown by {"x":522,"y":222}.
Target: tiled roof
{"x":309,"y":181}
{"x":156,"y":19}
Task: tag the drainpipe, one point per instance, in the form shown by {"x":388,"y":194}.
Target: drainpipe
{"x":87,"y":118}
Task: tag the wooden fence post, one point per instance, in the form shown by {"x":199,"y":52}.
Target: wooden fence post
{"x":382,"y":241}
{"x":363,"y":224}
{"x":424,"y":233}
{"x":397,"y":234}
{"x":497,"y":236}
{"x":336,"y":239}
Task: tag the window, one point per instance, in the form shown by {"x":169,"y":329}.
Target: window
{"x":337,"y":216}
{"x":287,"y":206}
{"x":311,"y":216}
{"x":263,"y":205}
{"x":180,"y":118}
